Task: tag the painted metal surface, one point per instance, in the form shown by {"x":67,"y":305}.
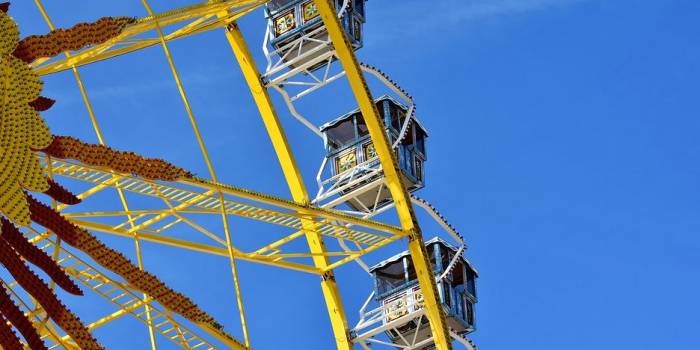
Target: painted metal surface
{"x":436,"y":314}
{"x":294,"y":181}
{"x":207,"y":197}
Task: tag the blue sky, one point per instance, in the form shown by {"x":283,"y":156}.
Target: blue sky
{"x":563,"y":143}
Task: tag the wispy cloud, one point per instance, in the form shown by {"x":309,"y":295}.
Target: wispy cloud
{"x":416,"y":18}
{"x":456,"y":11}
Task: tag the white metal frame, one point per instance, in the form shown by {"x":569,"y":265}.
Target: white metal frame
{"x":373,"y":324}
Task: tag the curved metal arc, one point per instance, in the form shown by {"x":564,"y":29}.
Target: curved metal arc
{"x":430,"y":209}
{"x":393,"y":86}
{"x":294,"y":181}
{"x":295,"y":113}
{"x":195,"y":246}
{"x":405,"y":211}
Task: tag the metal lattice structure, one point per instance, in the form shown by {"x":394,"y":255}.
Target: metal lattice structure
{"x":307,"y":219}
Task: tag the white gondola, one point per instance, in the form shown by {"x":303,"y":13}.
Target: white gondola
{"x":401,"y":314}
{"x":356,"y":174}
{"x":291,"y":20}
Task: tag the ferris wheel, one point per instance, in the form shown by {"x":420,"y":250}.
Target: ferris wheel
{"x":374,"y":163}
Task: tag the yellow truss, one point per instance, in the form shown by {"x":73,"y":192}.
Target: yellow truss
{"x":179,"y":205}
{"x":183,"y":22}
{"x":191,"y":197}
{"x":127,"y":299}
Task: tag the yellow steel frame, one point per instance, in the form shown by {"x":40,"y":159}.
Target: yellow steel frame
{"x":198,"y":196}
{"x":419,"y":255}
{"x":100,"y":137}
{"x":191,"y":197}
{"x":183,"y":22}
{"x":296,"y":185}
{"x":210,"y":167}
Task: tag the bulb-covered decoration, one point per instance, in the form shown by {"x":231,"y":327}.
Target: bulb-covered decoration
{"x":23,"y":133}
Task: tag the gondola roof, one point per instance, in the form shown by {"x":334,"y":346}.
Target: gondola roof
{"x":348,"y":115}
{"x":275,"y":5}
{"x":439,"y":240}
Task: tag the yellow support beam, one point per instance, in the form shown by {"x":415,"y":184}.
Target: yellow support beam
{"x":100,"y":137}
{"x":139,"y":186}
{"x":195,"y":246}
{"x":294,"y":181}
{"x":419,"y":255}
{"x":328,"y":214}
{"x":126,"y":298}
{"x":197,"y":18}
{"x":210,"y":166}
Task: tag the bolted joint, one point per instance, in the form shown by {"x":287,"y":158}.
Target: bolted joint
{"x":328,"y":276}
{"x":232,"y":26}
{"x":413,"y":235}
{"x":350,"y":335}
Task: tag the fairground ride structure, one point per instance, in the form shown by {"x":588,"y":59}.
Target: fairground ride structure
{"x":374,"y":162}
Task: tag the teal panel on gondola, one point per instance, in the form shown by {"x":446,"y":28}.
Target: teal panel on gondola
{"x":349,"y":148}
{"x":396,"y":288}
{"x":291,"y":20}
